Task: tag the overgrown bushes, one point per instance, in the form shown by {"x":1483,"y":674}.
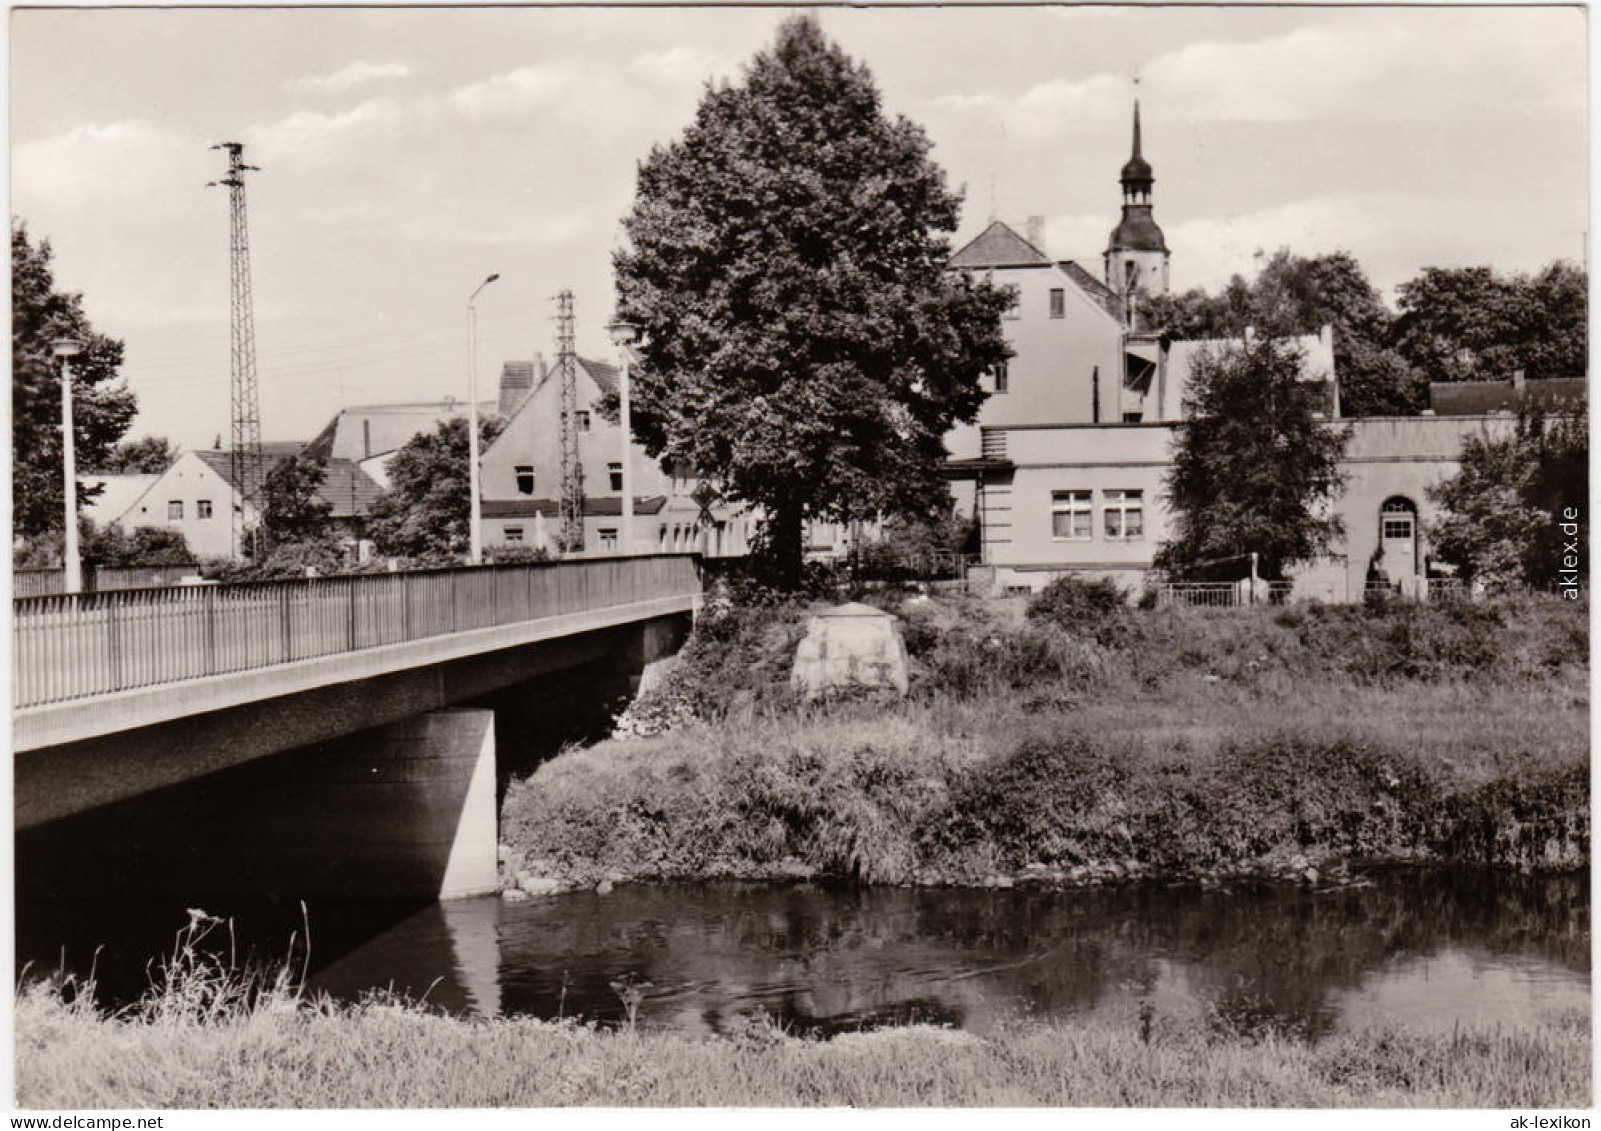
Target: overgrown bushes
{"x":1176,"y":742}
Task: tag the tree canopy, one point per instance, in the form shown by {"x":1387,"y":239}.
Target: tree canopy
{"x":1470,"y":323}
{"x":102,"y":407}
{"x":425,"y":512}
{"x":804,"y":346}
{"x":1296,"y":295}
{"x":294,"y":509}
{"x":1502,"y":512}
{"x":148,"y":455}
{"x":1253,"y":469}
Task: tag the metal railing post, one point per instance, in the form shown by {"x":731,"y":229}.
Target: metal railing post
{"x":350,"y":587}
{"x":114,"y":644}
{"x":283,"y":606}
{"x":211,"y":630}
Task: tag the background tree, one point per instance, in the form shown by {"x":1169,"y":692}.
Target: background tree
{"x":148,"y":455}
{"x":294,"y":509}
{"x":1253,"y":469}
{"x":102,"y":406}
{"x":1500,"y":513}
{"x":1465,"y":324}
{"x":425,"y":512}
{"x":1295,"y":295}
{"x":804,"y":346}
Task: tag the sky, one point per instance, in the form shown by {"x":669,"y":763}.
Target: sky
{"x":406,"y":154}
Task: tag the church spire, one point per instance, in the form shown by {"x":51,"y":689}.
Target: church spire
{"x":1136,"y":175}
{"x":1136,"y":254}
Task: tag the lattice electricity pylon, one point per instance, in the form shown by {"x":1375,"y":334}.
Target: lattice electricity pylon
{"x":572,"y":468}
{"x":244,"y":459}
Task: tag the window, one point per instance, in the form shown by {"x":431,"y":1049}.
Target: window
{"x":1058,"y":303}
{"x":513,"y":534}
{"x":661,"y":536}
{"x":1133,"y":417}
{"x":1397,"y":520}
{"x":1002,"y":378}
{"x":1070,"y":516}
{"x":615,"y":471}
{"x":203,"y":508}
{"x":1015,"y":293}
{"x":608,"y":537}
{"x":1125,"y":514}
{"x":175,"y":510}
{"x":582,"y":416}
{"x":525,"y":479}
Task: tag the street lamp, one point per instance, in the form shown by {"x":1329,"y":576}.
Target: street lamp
{"x":66,"y":348}
{"x":475,"y":539}
{"x":625,"y":335}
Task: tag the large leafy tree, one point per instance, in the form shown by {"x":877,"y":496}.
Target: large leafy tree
{"x":102,"y":405}
{"x":1470,"y":323}
{"x":1254,"y":470}
{"x":1502,"y":513}
{"x":424,"y":514}
{"x":295,"y":509}
{"x":148,"y":455}
{"x":1292,"y":294}
{"x":803,"y":345}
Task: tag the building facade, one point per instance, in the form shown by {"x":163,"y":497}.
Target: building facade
{"x":1065,"y":467}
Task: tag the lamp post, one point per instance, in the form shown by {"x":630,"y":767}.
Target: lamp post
{"x":474,"y":538}
{"x":66,"y":349}
{"x":625,"y":334}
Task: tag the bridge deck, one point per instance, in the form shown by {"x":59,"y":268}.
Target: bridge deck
{"x":135,"y":648}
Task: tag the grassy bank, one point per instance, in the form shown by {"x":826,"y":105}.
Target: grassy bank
{"x":284,"y":1052}
{"x":1081,"y":745}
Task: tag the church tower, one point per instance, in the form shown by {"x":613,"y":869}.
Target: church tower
{"x":1136,"y":253}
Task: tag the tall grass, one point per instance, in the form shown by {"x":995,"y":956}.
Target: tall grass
{"x":389,"y":1053}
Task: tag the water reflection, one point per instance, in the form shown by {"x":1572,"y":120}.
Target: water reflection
{"x":1429,"y":947}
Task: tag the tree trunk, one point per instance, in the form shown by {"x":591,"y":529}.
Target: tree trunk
{"x":784,"y":547}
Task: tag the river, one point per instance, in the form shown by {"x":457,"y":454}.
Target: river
{"x":1430,"y":947}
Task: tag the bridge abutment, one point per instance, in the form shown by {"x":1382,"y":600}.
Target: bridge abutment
{"x":398,"y":812}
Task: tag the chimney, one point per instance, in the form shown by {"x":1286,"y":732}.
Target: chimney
{"x":1035,"y":231}
{"x":1518,"y":382}
{"x":1250,"y":336}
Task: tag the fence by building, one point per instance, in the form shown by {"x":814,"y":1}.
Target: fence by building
{"x":70,"y":646}
{"x":40,"y":581}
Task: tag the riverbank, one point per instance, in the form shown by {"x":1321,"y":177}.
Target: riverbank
{"x":285,"y":1052}
{"x":1088,"y":745}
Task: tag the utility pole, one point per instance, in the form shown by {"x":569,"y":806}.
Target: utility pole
{"x":244,"y":460}
{"x":572,"y":468}
{"x":71,"y":562}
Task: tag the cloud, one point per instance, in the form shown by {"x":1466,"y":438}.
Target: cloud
{"x":1392,"y":67}
{"x":517,"y":92}
{"x":126,"y":160}
{"x":307,"y":133}
{"x":680,"y":65}
{"x":351,"y":75}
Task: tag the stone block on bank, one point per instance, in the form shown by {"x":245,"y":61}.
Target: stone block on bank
{"x":850,"y":647}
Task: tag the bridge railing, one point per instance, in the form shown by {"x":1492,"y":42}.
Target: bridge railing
{"x":71,"y":646}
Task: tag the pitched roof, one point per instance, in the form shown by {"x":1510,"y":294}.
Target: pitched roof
{"x":1481,"y":398}
{"x":118,"y":495}
{"x":602,"y":374}
{"x":347,"y":489}
{"x":999,"y":246}
{"x":1104,"y":295}
{"x":359,"y":431}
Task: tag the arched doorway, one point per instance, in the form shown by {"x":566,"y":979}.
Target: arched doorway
{"x":1398,"y":538}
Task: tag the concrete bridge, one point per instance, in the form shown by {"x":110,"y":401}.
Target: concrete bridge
{"x":338,"y":734}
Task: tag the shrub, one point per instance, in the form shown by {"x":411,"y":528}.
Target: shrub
{"x":1078,"y":605}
